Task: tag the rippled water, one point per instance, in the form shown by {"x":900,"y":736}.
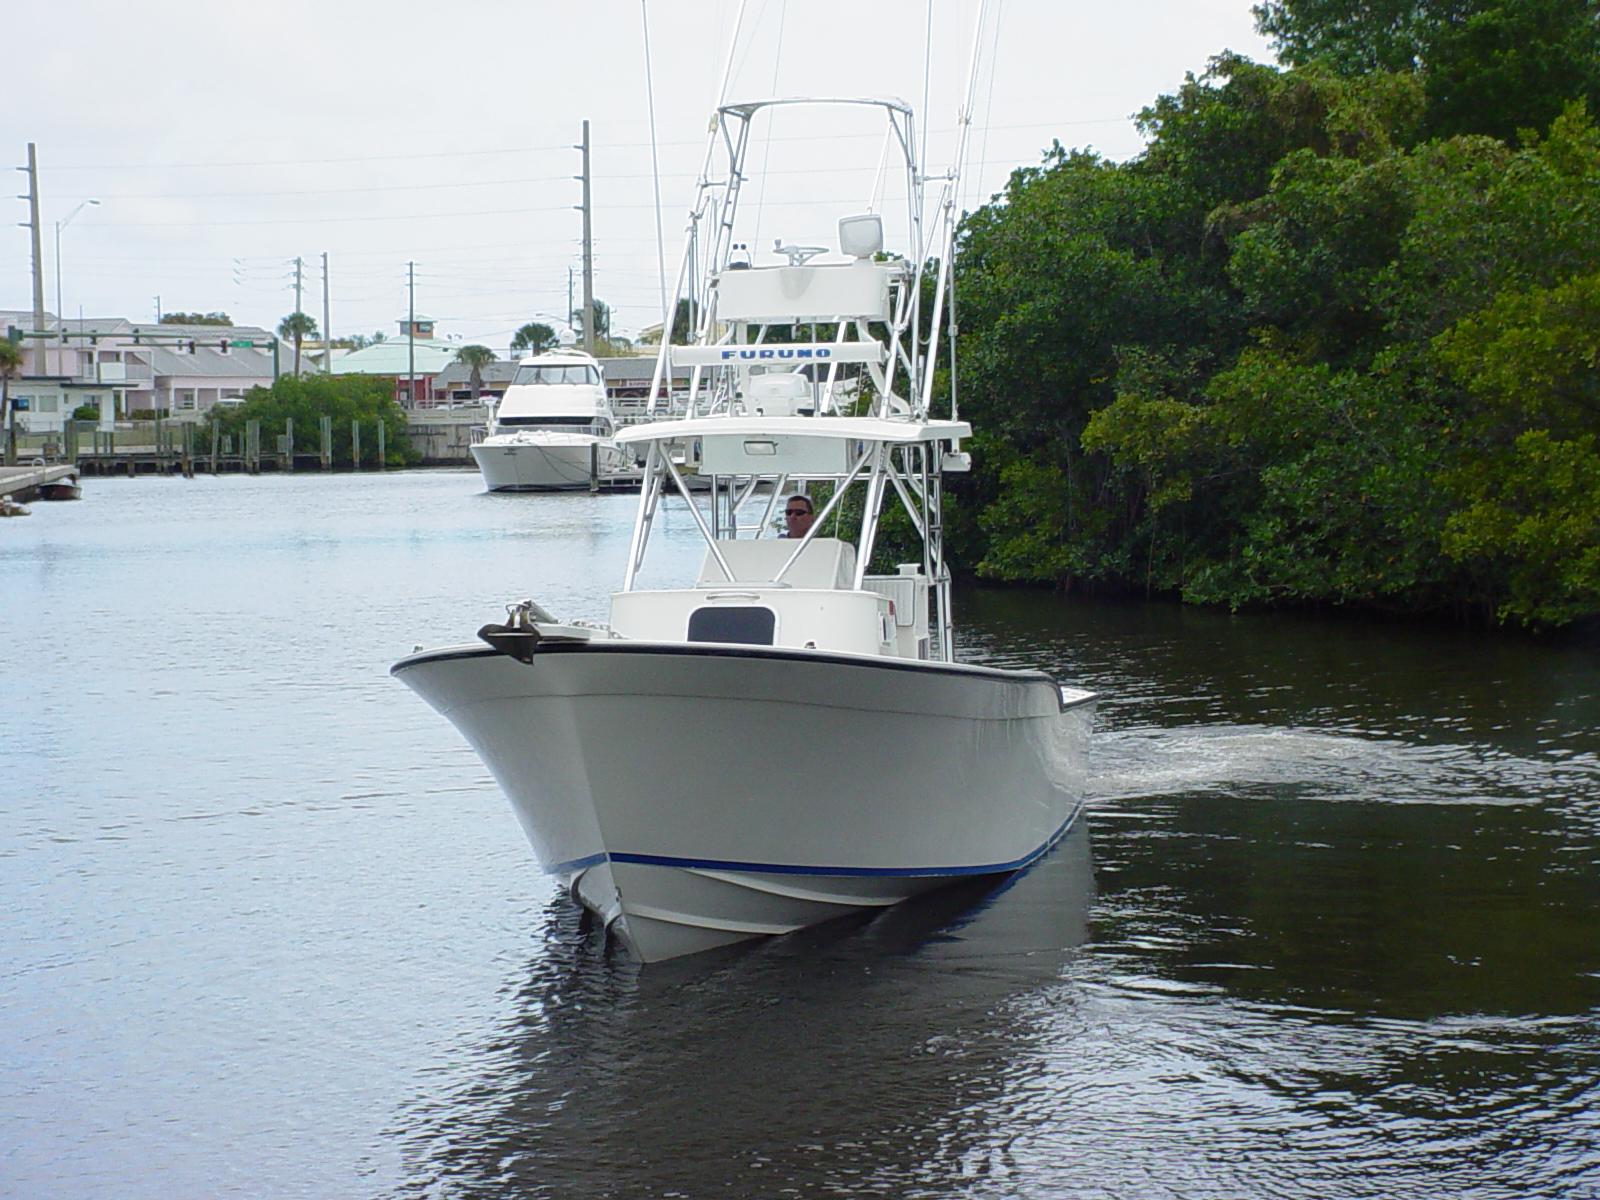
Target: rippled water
{"x":1332,"y":929}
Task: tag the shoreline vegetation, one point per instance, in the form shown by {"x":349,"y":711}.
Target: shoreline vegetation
{"x":306,"y":399}
{"x":1333,"y":340}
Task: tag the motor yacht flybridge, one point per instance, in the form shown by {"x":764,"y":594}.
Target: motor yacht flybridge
{"x":552,"y":430}
{"x":801,"y":742}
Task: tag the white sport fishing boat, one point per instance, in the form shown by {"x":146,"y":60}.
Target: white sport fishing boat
{"x":553,"y":429}
{"x":801,"y":742}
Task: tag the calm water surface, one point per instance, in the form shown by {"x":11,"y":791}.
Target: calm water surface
{"x":268,"y":929}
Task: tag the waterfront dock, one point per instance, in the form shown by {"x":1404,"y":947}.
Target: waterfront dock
{"x":629,"y":480}
{"x":442,"y":437}
{"x":22,"y":483}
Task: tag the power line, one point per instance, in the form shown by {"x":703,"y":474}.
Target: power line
{"x":608,"y":146}
{"x":487,"y":212}
{"x":341,"y":191}
{"x":433,"y":216}
{"x":426,"y":187}
{"x":296,"y":162}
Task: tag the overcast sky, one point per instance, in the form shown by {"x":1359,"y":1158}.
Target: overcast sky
{"x":224,"y":141}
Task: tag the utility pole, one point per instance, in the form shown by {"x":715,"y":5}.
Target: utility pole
{"x":10,"y":415}
{"x":297,"y":283}
{"x":327,"y":332}
{"x":411,"y":335}
{"x":588,"y":251}
{"x":570,"y":309}
{"x":158,"y":298}
{"x":33,"y":223}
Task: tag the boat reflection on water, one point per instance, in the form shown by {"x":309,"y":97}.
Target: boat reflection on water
{"x":859,"y":1055}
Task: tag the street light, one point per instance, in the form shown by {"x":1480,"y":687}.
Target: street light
{"x":61,"y":321}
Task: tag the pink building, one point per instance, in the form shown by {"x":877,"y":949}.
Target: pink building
{"x":121,"y":367}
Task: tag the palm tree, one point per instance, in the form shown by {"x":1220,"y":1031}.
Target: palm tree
{"x":534,"y":338}
{"x":297,"y":326}
{"x":602,"y":321}
{"x":476,"y":357}
{"x":683,"y":322}
{"x":10,"y":361}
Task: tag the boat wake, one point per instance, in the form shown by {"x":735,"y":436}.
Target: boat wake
{"x":1332,"y":766}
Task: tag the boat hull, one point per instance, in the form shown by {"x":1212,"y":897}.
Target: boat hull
{"x":553,"y":462}
{"x":761,"y":790}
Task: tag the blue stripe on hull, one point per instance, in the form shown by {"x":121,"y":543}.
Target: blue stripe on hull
{"x":715,"y":864}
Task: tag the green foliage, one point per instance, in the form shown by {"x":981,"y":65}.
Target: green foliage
{"x":306,"y":400}
{"x":682,"y":322}
{"x":1337,"y":472}
{"x":1299,"y":352}
{"x":1168,"y":443}
{"x":86,"y":412}
{"x":534,"y":338}
{"x":476,"y":358}
{"x":196,"y":318}
{"x":1531,"y":524}
{"x":1086,"y":269}
{"x":602,"y":319}
{"x":1316,"y":255}
{"x":1527,"y":475}
{"x":1290,"y":482}
{"x":1511,"y":65}
{"x":1055,"y":278}
{"x":1489,"y":219}
{"x":1225,"y":133}
{"x":1531,"y":360}
{"x":1376,"y":35}
{"x":1031,"y":524}
{"x":296,"y":326}
{"x":10,"y":363}
{"x":1491,"y":67}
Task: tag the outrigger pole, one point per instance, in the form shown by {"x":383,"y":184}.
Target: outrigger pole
{"x":662,"y":369}
{"x":947,"y":203}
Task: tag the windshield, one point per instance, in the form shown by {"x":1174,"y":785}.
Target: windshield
{"x":551,"y":373}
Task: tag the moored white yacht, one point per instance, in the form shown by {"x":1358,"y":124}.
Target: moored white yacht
{"x":801,"y":742}
{"x":553,"y":428}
